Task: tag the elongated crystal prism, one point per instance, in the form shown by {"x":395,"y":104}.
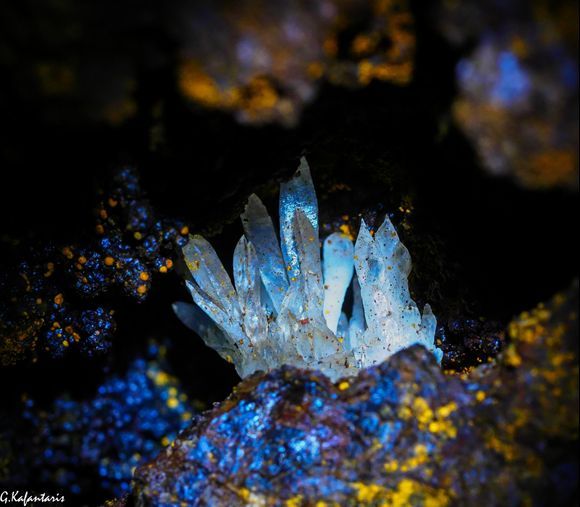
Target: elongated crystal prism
{"x":287,"y":304}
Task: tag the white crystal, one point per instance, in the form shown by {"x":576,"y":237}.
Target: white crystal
{"x":259,"y":230}
{"x":287,"y":306}
{"x":338,"y":266}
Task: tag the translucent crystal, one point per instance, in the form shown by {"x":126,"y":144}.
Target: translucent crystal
{"x":287,"y":306}
{"x":296,"y":194}
{"x":338,"y":266}
{"x":259,"y":230}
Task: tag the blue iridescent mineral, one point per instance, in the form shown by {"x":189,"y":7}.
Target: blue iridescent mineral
{"x":47,"y":301}
{"x":130,"y":418}
{"x":400,"y":433}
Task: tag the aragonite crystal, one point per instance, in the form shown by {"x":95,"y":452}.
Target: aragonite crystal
{"x":287,"y":304}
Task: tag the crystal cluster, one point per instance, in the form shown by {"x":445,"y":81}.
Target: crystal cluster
{"x":287,"y":303}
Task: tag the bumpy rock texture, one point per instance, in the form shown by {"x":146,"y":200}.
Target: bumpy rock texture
{"x":48,"y":301}
{"x":401,"y":433}
{"x":73,"y":444}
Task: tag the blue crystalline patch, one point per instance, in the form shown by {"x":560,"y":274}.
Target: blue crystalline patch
{"x":513,"y":82}
{"x":506,"y":84}
{"x":248,"y":437}
{"x":126,"y":422}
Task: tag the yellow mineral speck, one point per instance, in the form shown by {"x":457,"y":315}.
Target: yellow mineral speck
{"x":295,"y":501}
{"x":58,"y":299}
{"x":346,"y":231}
{"x":445,"y":427}
{"x":172,"y":402}
{"x":419,"y":458}
{"x":365,"y":72}
{"x":65,"y":343}
{"x":138,"y":236}
{"x":508,"y":451}
{"x":245,"y":493}
{"x":512,"y":358}
{"x":446,"y":410}
{"x":330,"y":46}
{"x":165,"y":441}
{"x":480,"y":396}
{"x":142,"y":289}
{"x":405,"y":412}
{"x":163,"y":269}
{"x":161,"y":378}
{"x":109,"y":261}
{"x":49,"y":269}
{"x":367,"y":493}
{"x":315,"y":70}
{"x":144,"y":276}
{"x":197,"y":85}
{"x":343,"y":385}
{"x":422,"y":410}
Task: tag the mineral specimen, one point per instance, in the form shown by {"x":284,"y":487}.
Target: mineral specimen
{"x":286,"y":307}
{"x":401,"y":433}
{"x":518,"y":90}
{"x":129,"y":419}
{"x":47,"y":301}
{"x":264,"y":61}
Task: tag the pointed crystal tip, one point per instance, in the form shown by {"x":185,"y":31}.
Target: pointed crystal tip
{"x":286,"y":303}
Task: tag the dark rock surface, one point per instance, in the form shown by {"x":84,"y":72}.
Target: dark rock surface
{"x":401,"y":433}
